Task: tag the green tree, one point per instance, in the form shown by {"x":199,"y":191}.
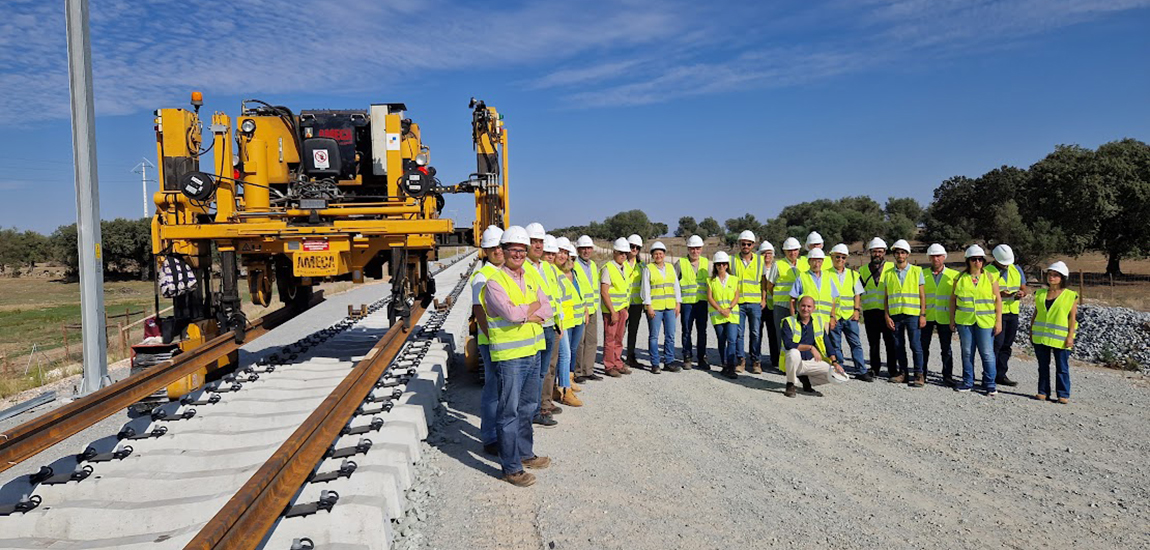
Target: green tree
{"x":709,"y":227}
{"x":658,"y":229}
{"x":628,"y":223}
{"x":1124,"y":168}
{"x":864,"y":219}
{"x":687,"y":227}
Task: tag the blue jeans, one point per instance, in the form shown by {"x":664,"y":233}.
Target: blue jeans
{"x":1043,"y":352}
{"x":906,"y":328}
{"x":750,"y":314}
{"x":563,"y":365}
{"x":545,"y":361}
{"x":489,"y":399}
{"x":574,"y":338}
{"x":694,"y":315}
{"x":834,"y":343}
{"x":663,"y":320}
{"x":519,"y":387}
{"x":970,"y":337}
{"x":725,"y":335}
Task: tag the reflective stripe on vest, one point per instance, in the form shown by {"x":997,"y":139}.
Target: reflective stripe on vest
{"x":873,"y":291}
{"x":571,"y":303}
{"x":510,"y":340}
{"x":821,"y":294}
{"x":797,"y":335}
{"x":724,"y":295}
{"x":692,"y":282}
{"x":974,"y":304}
{"x":662,"y":287}
{"x":550,"y":285}
{"x":589,"y":286}
{"x":636,"y":279}
{"x":846,"y":291}
{"x":784,"y":283}
{"x":1011,"y":283}
{"x":620,"y":287}
{"x":1051,"y":327}
{"x":487,"y":270}
{"x":902,"y":296}
{"x":750,"y":279}
{"x":938,"y":295}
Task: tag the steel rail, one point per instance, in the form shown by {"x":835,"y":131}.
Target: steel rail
{"x":32,"y":437}
{"x":254,"y":510}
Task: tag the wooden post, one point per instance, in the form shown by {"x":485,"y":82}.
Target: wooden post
{"x":1081,"y":286}
{"x":123,"y":339}
{"x":64,"y":329}
{"x":127,"y":316}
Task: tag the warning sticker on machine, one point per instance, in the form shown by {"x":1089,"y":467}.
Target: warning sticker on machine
{"x":392,"y":142}
{"x":321,"y":161}
{"x":315,"y":245}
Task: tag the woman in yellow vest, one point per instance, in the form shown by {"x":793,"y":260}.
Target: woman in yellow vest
{"x":723,"y":297}
{"x":661,"y":296}
{"x":976,"y":314}
{"x":1052,"y":332}
{"x":571,"y":302}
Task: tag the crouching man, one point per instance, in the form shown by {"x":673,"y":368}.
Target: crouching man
{"x":806,"y":358}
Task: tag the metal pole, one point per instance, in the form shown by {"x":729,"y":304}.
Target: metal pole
{"x":87,"y":197}
{"x":142,"y":169}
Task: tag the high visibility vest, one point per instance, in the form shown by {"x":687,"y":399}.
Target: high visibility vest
{"x":589,"y":286}
{"x":974,"y":304}
{"x":662,"y":287}
{"x":902,"y":296}
{"x":510,"y":340}
{"x":571,"y":302}
{"x":620,"y":286}
{"x":785,"y":281}
{"x":750,"y":279}
{"x":724,"y":294}
{"x":820,"y":293}
{"x":1011,"y":283}
{"x":550,"y":286}
{"x":938,"y":295}
{"x":873,"y":291}
{"x":635,"y":276}
{"x":487,"y":270}
{"x":692,"y":282}
{"x":1052,"y":326}
{"x":846,"y":291}
{"x":797,"y":335}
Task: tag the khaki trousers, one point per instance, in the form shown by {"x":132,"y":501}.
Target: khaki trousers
{"x":818,"y":372}
{"x":588,"y":346}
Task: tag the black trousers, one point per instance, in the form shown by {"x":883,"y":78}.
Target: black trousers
{"x":635,"y":314}
{"x":770,"y":329}
{"x":1004,"y":344}
{"x":944,"y":336}
{"x":875,"y":322}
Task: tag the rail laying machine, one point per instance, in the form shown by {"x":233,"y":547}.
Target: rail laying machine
{"x":292,"y":199}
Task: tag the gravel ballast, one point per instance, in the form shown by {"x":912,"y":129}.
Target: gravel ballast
{"x":1104,"y":333}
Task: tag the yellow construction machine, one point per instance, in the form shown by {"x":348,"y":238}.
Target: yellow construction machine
{"x":292,"y":199}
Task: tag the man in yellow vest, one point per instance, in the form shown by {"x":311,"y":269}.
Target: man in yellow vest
{"x":747,"y":267}
{"x":905,"y":305}
{"x":536,"y":267}
{"x":847,"y":313}
{"x":635,"y":309}
{"x":780,"y":278}
{"x":1012,"y":287}
{"x":874,"y":316}
{"x":939,"y":287}
{"x":587,"y":274}
{"x":769,"y":325}
{"x":814,"y":241}
{"x":806,"y":358}
{"x":813,"y":282}
{"x":694,"y":271}
{"x":516,"y":308}
{"x":550,"y":273}
{"x":661,"y":297}
{"x":615,"y":291}
{"x":489,"y":398}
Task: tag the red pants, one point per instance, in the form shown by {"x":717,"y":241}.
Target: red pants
{"x":613,"y":340}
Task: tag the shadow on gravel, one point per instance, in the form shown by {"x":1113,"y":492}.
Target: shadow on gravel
{"x":454,"y":436}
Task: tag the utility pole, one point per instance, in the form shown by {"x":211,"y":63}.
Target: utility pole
{"x":87,"y":197}
{"x":142,"y":170}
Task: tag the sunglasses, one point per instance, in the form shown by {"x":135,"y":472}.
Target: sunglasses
{"x":978,"y":259}
{"x":633,"y":247}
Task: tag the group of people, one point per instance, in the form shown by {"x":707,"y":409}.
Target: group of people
{"x":537,"y":302}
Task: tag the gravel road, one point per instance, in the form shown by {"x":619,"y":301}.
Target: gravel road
{"x":692,"y":460}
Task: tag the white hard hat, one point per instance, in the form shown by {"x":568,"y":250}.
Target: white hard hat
{"x":550,"y":243}
{"x":766,"y":246}
{"x":535,"y":231}
{"x":658,"y":246}
{"x":936,"y":250}
{"x":974,"y":251}
{"x":721,"y":258}
{"x":747,"y":235}
{"x":564,"y":244}
{"x":814,"y":238}
{"x":490,"y":237}
{"x":635,"y":240}
{"x":840,"y":249}
{"x":900,"y":244}
{"x":816,"y":254}
{"x":791,"y":244}
{"x":515,"y":235}
{"x":694,"y":241}
{"x":1003,"y":254}
{"x":1059,"y":267}
{"x":584,"y":241}
{"x":621,"y":245}
{"x":876,"y":243}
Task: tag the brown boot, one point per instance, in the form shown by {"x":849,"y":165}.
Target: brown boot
{"x":919,"y":381}
{"x":687,"y":363}
{"x":756,"y":369}
{"x":613,"y":373}
{"x":740,"y":366}
{"x":537,"y":462}
{"x":575,"y":387}
{"x":556,"y":393}
{"x":521,"y":479}
{"x":626,"y":369}
{"x":897,"y":379}
{"x":568,"y":398}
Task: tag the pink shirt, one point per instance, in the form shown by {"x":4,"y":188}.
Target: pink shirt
{"x":499,"y":305}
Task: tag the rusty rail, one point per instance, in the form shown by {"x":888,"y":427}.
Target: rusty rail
{"x":252,"y":512}
{"x":32,"y":437}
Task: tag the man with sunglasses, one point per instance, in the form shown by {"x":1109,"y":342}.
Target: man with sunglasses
{"x":748,"y":269}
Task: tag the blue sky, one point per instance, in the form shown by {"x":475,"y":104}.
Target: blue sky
{"x":679,"y":108}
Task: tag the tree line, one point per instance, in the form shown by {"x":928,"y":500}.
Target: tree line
{"x":126,"y":249}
